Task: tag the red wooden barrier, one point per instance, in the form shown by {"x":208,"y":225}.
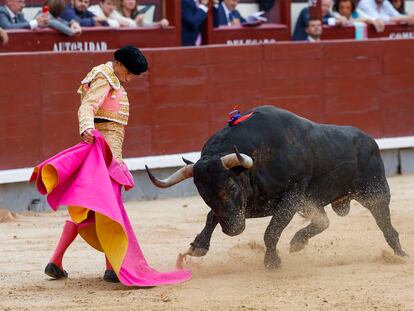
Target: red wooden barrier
{"x":188,"y":92}
{"x":238,"y":35}
{"x":92,"y":39}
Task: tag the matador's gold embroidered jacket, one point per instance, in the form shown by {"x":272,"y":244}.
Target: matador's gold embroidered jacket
{"x":103,"y":97}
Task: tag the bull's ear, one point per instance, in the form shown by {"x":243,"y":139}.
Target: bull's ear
{"x":188,"y":162}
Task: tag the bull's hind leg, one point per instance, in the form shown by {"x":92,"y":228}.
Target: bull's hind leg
{"x":319,"y":223}
{"x":377,"y":202}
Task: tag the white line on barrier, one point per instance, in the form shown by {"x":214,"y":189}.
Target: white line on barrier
{"x":134,"y":164}
{"x":174,"y":160}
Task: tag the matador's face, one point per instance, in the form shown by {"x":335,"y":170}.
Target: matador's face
{"x":122,"y":73}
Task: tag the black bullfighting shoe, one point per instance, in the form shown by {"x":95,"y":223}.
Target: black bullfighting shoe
{"x":110,"y":276}
{"x":55,"y":272}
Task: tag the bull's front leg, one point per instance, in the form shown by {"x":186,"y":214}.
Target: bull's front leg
{"x":282,"y":215}
{"x":201,"y":244}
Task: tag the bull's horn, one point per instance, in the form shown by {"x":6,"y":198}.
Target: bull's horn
{"x":245,"y":160}
{"x":237,"y":159}
{"x":180,"y":175}
{"x":187,"y":161}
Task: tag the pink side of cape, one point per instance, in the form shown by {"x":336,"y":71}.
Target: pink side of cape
{"x":89,"y":177}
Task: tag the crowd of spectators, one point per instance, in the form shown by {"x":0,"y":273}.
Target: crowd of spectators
{"x":127,"y":12}
{"x":349,"y":12}
{"x":69,"y":19}
{"x":384,"y":10}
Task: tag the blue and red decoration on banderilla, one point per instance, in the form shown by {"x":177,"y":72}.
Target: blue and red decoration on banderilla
{"x":235,"y":118}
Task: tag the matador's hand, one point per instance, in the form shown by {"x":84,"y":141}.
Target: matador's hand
{"x":87,"y":136}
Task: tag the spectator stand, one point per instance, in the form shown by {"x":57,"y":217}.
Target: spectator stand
{"x":276,"y":29}
{"x":392,"y":30}
{"x":100,"y":38}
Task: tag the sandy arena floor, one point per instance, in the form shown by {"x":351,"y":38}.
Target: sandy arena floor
{"x":342,"y":269}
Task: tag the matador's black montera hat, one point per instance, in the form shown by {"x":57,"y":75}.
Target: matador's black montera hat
{"x":132,"y":58}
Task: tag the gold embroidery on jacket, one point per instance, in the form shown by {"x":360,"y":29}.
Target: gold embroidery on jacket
{"x":114,"y":135}
{"x":107,"y":71}
{"x":100,"y":83}
{"x":91,"y":100}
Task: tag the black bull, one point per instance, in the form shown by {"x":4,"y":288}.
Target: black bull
{"x":286,"y":165}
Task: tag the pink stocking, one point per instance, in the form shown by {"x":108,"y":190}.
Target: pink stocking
{"x":70,"y":231}
{"x":108,"y":264}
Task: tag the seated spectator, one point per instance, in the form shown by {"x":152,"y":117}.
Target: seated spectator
{"x":78,"y":11}
{"x":327,"y":19}
{"x":313,"y":29}
{"x":226,"y":14}
{"x":193,"y":16}
{"x":104,"y":9}
{"x":3,"y":36}
{"x":399,"y":5}
{"x":11,"y":16}
{"x":348,"y":10}
{"x":56,"y":8}
{"x":127,"y":14}
{"x":384,"y":10}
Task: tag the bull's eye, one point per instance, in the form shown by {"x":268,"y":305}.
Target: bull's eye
{"x":233,"y":188}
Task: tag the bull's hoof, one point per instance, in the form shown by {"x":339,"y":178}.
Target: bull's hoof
{"x":197,"y":252}
{"x":402,"y":254}
{"x":272,"y":261}
{"x":297,"y":244}
{"x":192,"y":251}
{"x":395,"y":258}
{"x":198,"y":248}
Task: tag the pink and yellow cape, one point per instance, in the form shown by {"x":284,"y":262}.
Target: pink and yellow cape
{"x":88,"y":180}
